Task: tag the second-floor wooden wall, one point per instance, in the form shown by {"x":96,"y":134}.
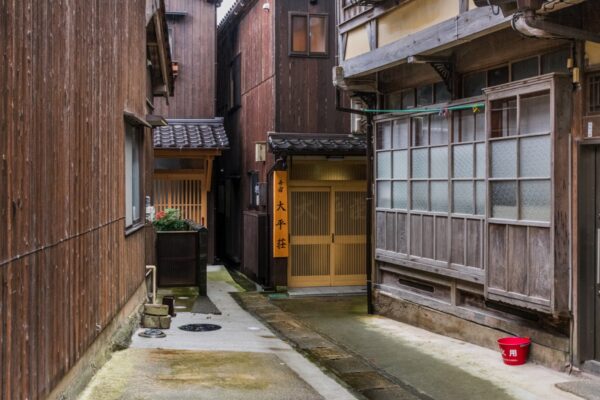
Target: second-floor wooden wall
{"x":194,"y":49}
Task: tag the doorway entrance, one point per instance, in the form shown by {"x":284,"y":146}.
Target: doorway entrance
{"x":327,"y":236}
{"x":589,"y":257}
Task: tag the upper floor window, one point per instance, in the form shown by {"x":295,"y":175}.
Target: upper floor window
{"x":308,"y":34}
{"x":133,"y":175}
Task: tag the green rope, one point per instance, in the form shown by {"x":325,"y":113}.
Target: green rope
{"x":430,"y":110}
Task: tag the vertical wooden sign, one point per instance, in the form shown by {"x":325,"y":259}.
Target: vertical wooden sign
{"x":280,"y":215}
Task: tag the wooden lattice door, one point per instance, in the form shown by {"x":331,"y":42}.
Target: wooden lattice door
{"x":183,"y":194}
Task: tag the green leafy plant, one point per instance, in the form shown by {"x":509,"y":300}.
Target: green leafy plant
{"x":170,"y":220}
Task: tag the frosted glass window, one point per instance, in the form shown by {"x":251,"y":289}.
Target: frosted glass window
{"x":420,"y":196}
{"x":420,"y":131}
{"x":439,"y":162}
{"x":480,"y":125}
{"x":400,"y":164}
{"x":535,"y":200}
{"x":504,"y":159}
{"x":535,"y":114}
{"x":408,"y":98}
{"x":555,"y":62}
{"x":384,"y":136}
{"x":420,"y":163}
{"x":535,"y":157}
{"x":384,"y":165}
{"x":439,"y":130}
{"x":384,"y":194}
{"x":318,"y":34}
{"x":439,"y":196}
{"x":299,"y":40}
{"x":133,"y":175}
{"x":400,"y":134}
{"x":400,"y":194}
{"x":466,"y":126}
{"x":463,"y":161}
{"x":480,"y":160}
{"x":463,"y":197}
{"x":504,"y":200}
{"x":504,"y":118}
{"x":480,"y":197}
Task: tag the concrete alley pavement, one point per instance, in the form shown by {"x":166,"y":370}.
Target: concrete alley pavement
{"x":243,"y":360}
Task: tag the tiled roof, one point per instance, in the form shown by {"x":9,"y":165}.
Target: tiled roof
{"x":191,"y":134}
{"x":316,"y":144}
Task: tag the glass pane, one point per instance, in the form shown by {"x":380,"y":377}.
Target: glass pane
{"x":439,"y":162}
{"x":400,"y":140}
{"x":555,"y":62}
{"x":480,"y":125}
{"x":525,"y":69}
{"x":442,"y":95}
{"x":420,"y":131}
{"x":439,"y":196}
{"x":439,"y":130}
{"x":384,"y":165}
{"x":400,"y":199}
{"x":420,"y":196}
{"x":408,"y":98}
{"x":384,"y":194}
{"x":535,"y":114}
{"x":393,"y":101}
{"x":480,"y":197}
{"x":504,"y":118}
{"x":480,"y":160}
{"x":535,"y":200}
{"x":473,"y":84}
{"x":497,"y":76}
{"x":400,"y":164}
{"x":504,"y":200}
{"x":299,"y":34}
{"x":463,"y":161}
{"x":535,"y":157}
{"x":463,"y":197}
{"x":420,"y":163}
{"x":384,"y":135}
{"x":318,"y":34}
{"x":425,"y":95}
{"x":466,"y":126}
{"x":504,"y":159}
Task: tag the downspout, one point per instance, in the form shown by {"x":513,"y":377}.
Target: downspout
{"x":530,"y":24}
{"x":369,"y":199}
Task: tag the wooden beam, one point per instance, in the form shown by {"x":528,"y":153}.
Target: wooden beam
{"x":209,"y":170}
{"x":463,"y":28}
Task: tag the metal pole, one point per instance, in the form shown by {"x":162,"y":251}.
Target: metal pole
{"x":369,"y":228}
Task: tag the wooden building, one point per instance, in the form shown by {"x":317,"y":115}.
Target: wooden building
{"x":294,"y":178}
{"x":192,"y":137}
{"x":485,"y":142}
{"x":77,"y":81}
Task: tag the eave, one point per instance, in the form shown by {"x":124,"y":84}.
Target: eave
{"x":450,"y":33}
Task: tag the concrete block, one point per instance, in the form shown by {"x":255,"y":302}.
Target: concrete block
{"x":165,"y":322}
{"x":151,"y":321}
{"x":156,"y":309}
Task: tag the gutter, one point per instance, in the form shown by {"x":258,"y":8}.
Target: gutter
{"x":529,"y":23}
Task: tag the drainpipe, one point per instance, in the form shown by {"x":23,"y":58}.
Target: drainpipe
{"x":369,"y":227}
{"x":151,"y":269}
{"x":528,"y":23}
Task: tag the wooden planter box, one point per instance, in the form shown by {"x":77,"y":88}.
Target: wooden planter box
{"x":181,"y":258}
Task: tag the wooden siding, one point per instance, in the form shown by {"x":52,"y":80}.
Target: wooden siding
{"x":194,"y":41}
{"x":305,"y":94}
{"x":67,"y":72}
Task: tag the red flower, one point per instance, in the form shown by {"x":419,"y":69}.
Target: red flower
{"x":160,"y":214}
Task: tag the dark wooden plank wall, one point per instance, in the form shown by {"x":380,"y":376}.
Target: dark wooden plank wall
{"x":67,"y":71}
{"x":305,"y":93}
{"x":194,"y":41}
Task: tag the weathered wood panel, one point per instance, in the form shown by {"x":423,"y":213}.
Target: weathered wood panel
{"x":441,"y":238}
{"x":427,"y":236}
{"x":67,"y":72}
{"x":402,"y":233}
{"x":415,"y":235}
{"x":497,"y":256}
{"x":194,"y":49}
{"x":540,"y":280}
{"x":473,"y":243}
{"x":390,"y":231}
{"x":457,"y":246}
{"x":516,"y":265}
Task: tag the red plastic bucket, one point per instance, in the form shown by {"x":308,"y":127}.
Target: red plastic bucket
{"x":514,"y":350}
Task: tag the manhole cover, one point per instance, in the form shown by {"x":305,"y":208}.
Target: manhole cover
{"x":199,"y":327}
{"x":152,"y":333}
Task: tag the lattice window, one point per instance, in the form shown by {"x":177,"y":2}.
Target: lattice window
{"x":594,"y":93}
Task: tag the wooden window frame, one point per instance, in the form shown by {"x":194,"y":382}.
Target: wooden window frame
{"x":131,"y":121}
{"x":308,"y":52}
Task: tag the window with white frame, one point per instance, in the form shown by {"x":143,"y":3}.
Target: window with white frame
{"x":133,"y":175}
